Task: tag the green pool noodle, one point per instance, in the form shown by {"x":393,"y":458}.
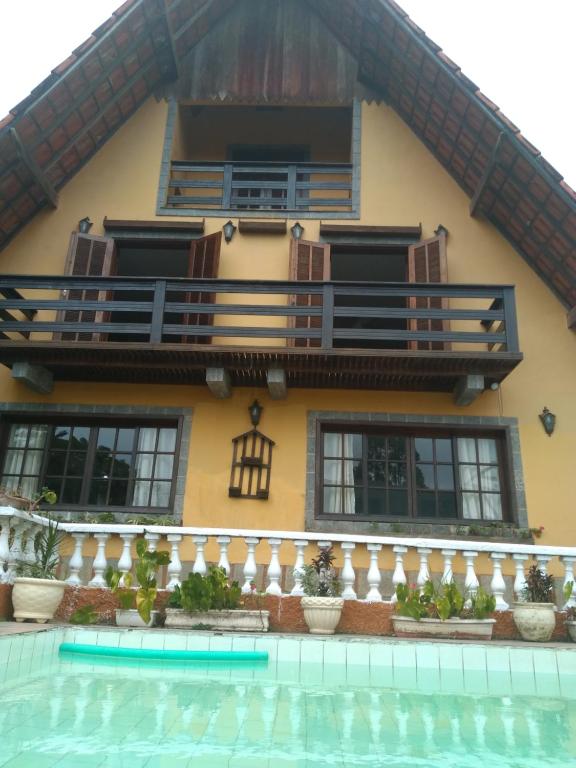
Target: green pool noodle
{"x":160,"y":654}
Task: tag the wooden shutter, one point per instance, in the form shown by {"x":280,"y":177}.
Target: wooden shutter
{"x":88,"y":256}
{"x":427,"y":264}
{"x":308,"y":261}
{"x":204,"y":260}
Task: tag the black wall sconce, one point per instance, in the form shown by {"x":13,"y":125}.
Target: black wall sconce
{"x":548,"y":420}
{"x":229,"y":229}
{"x":297,"y":231}
{"x":441,"y":230}
{"x":255,"y":411}
{"x":85,"y":225}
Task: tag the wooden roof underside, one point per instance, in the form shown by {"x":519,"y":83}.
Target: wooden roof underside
{"x":49,"y":136}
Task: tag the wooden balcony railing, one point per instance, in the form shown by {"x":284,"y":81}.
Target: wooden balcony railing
{"x":248,"y":186}
{"x":351,"y":333}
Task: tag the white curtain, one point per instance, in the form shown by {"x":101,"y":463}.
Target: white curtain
{"x":144,"y":466}
{"x":28,"y":462}
{"x":339,"y":473}
{"x":150,"y":440}
{"x":349,"y":506}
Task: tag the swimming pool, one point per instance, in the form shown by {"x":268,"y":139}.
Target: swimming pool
{"x":318,"y":702}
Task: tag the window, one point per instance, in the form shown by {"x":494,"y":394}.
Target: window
{"x":399,"y":474}
{"x":106,"y":464}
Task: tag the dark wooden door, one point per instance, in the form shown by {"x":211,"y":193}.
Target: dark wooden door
{"x":203,"y":263}
{"x":308,"y":261}
{"x":427,"y":264}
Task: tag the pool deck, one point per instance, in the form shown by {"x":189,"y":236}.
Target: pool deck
{"x":17,"y":628}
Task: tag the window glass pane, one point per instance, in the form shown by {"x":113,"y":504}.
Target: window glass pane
{"x":80,"y":437}
{"x":353,"y":446}
{"x":447,"y":506}
{"x":397,"y":448}
{"x":471,"y":506}
{"x":98,"y":492}
{"x":141,"y":493}
{"x":125,"y":440}
{"x":492,"y":506}
{"x":332,"y":501}
{"x":70,"y":493}
{"x":54,"y":483}
{"x":487,"y":453}
{"x":377,"y":448}
{"x":352,"y":501}
{"x":144,"y":464}
{"x":425,"y":476}
{"x":423,"y":448}
{"x":76,"y":464}
{"x":444,"y":450}
{"x":489,"y":479}
{"x":13,"y":462}
{"x":332,"y":472}
{"x":18,"y":435}
{"x":167,"y":440}
{"x":106,"y":437}
{"x":160,"y":495}
{"x":467,"y":449}
{"x":56,"y":462}
{"x":398,"y":503}
{"x":377,"y":502}
{"x":469,"y":478}
{"x":118,"y":492}
{"x":377,"y":472}
{"x":397,"y":475}
{"x":352,"y":473}
{"x":445,"y":477}
{"x":102,"y":464}
{"x":28,"y":486}
{"x":61,"y":437}
{"x":38,"y":434}
{"x":332,"y":444}
{"x":121,"y":465}
{"x":426,"y":504}
{"x":163,"y":469}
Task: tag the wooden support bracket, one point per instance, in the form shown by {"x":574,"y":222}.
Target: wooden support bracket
{"x":484,"y":181}
{"x":35,"y":377}
{"x":218,"y":380}
{"x":35,"y":170}
{"x":468,"y":389}
{"x":276,"y":379}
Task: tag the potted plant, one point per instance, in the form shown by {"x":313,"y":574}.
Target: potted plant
{"x":13,"y":497}
{"x":534,"y":614}
{"x":210,"y":602}
{"x":443,"y":612}
{"x":37,"y":593}
{"x":136,"y":605}
{"x":321,"y":603}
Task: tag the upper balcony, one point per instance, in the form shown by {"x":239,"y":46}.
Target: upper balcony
{"x":401,"y":336}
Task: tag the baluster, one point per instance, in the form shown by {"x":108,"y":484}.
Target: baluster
{"x":199,"y":562}
{"x":152,"y":540}
{"x":520,"y":579}
{"x":348,"y":575}
{"x":125,"y":562}
{"x":175,"y":566}
{"x":569,"y":577}
{"x":471,"y":582}
{"x":274,"y":569}
{"x":15,"y":556}
{"x":374,"y":576}
{"x":542,"y":561}
{"x":424,"y":571}
{"x":250,"y":568}
{"x":100,"y":561}
{"x":399,"y":576}
{"x":448,"y":576}
{"x":27,"y":538}
{"x":77,"y":560}
{"x":300,"y":545}
{"x":223,"y":562}
{"x":4,"y":550}
{"x":498,"y":585}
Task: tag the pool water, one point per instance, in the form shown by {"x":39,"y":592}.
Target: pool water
{"x":213,"y":716}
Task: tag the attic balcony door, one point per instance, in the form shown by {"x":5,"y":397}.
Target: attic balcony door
{"x":267,"y":184}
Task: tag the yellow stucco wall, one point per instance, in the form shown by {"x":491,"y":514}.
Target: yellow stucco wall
{"x":402,"y":184}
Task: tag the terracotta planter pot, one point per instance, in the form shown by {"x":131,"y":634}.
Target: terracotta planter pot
{"x":36,"y":598}
{"x":131,"y":618}
{"x":571,"y":627}
{"x":475,"y":629}
{"x":534,"y":621}
{"x":322,"y":614}
{"x":230,"y":621}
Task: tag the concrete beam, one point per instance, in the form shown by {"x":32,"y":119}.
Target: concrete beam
{"x":218,"y":380}
{"x":35,"y":377}
{"x":276,"y":379}
{"x":468,"y":389}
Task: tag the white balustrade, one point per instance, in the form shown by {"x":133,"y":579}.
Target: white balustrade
{"x":300,"y":545}
{"x":498,"y":585}
{"x":199,"y":562}
{"x":4,"y":549}
{"x":471,"y":582}
{"x":569,"y":579}
{"x":348,"y":576}
{"x":223,"y":562}
{"x":125,"y":562}
{"x":399,"y":576}
{"x":520,"y":578}
{"x":542,"y":562}
{"x":100,"y":563}
{"x":175,"y":565}
{"x":77,"y":560}
{"x":374,"y":576}
{"x":152,"y":540}
{"x":274,"y":569}
{"x":250,"y":567}
{"x":448,"y":575}
{"x":424,"y":570}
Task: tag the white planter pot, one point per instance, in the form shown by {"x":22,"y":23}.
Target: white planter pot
{"x":36,"y":598}
{"x":230,"y":621}
{"x":571,"y":627}
{"x":322,"y":614}
{"x":479,"y":629}
{"x":535,"y":621}
{"x":131,"y":618}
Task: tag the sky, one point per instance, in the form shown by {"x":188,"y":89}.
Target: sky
{"x":519,"y":53}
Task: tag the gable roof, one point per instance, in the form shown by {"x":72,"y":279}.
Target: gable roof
{"x":50,"y":135}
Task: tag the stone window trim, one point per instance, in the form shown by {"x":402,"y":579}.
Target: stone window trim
{"x":508,"y":425}
{"x":124,"y":411}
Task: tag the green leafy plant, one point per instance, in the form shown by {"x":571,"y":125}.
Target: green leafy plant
{"x":412,"y":602}
{"x":46,"y":553}
{"x":482,"y":604}
{"x":539,"y":587}
{"x":211,"y":591}
{"x":443,"y":602}
{"x":86,"y":614}
{"x":30,"y":503}
{"x":146,"y":569}
{"x":319,"y":577}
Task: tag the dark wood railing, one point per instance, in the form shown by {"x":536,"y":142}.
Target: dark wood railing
{"x":326,"y":315}
{"x":260,"y":186}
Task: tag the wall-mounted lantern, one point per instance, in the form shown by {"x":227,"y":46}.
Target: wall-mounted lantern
{"x":84,"y":225}
{"x":255,"y":411}
{"x":297,"y":231}
{"x":441,"y":230}
{"x":229,"y":229}
{"x":548,"y":420}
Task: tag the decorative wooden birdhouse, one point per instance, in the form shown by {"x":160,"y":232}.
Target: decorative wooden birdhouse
{"x":251,"y":461}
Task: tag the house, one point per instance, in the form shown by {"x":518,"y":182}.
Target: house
{"x":280,"y":265}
